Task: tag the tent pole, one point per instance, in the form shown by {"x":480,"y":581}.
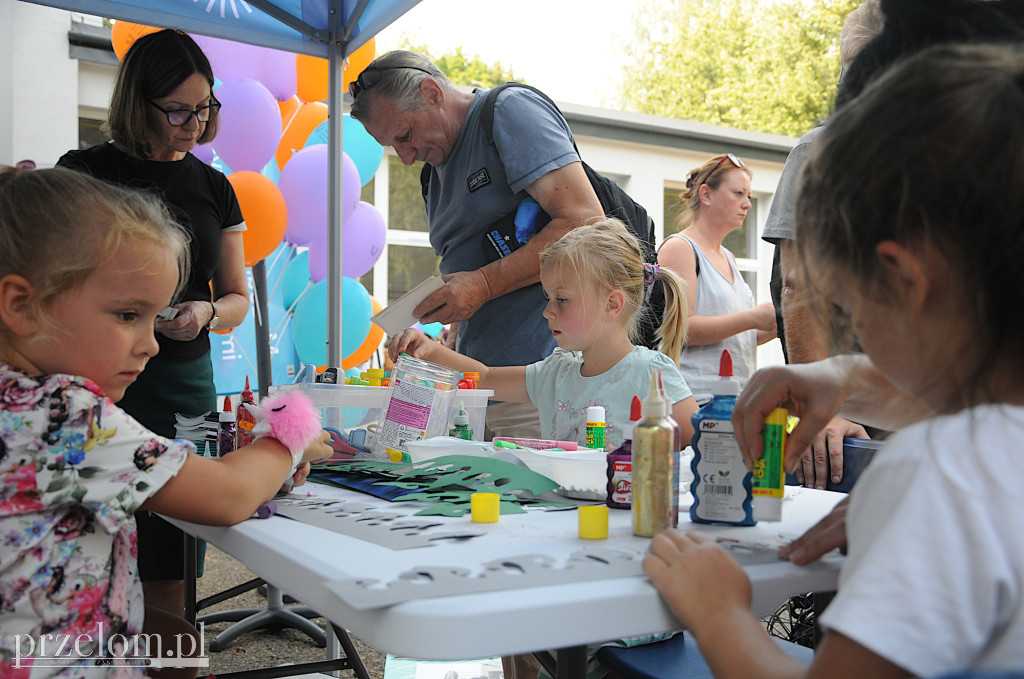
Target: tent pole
{"x":335,"y":111}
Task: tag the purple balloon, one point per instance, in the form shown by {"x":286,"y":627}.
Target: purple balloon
{"x":279,"y":74}
{"x":363,"y":235}
{"x":230,"y":59}
{"x":304,"y":184}
{"x":318,"y":259}
{"x":204,"y":152}
{"x":250,"y":125}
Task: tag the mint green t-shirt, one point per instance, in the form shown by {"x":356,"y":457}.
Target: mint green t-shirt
{"x":562,"y":394}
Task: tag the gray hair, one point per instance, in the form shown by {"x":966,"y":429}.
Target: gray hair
{"x":402,"y":72}
{"x":860,"y":27}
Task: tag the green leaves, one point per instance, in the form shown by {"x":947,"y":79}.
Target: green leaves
{"x":766,"y":66}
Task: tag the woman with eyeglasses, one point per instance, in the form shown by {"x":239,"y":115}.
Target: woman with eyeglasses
{"x":161,"y":107}
{"x":722,"y":310}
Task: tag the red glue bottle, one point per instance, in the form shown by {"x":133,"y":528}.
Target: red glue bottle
{"x":244,"y":417}
{"x":226,"y":432}
{"x":620,"y":464}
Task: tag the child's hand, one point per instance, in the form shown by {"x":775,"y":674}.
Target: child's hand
{"x":298,"y":478}
{"x":412,"y":342}
{"x":318,"y":449}
{"x":696,"y":577}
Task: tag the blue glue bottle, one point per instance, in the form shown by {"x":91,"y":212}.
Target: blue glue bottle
{"x":722,"y":485}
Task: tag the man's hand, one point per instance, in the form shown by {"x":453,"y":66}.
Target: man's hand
{"x":821,"y":538}
{"x":826,"y":453}
{"x":464,"y":292}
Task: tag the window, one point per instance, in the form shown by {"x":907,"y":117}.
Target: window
{"x":742,"y":242}
{"x":90,"y":133}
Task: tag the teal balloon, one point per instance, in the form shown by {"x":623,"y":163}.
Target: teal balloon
{"x":309,"y":324}
{"x":271,"y":171}
{"x":362,"y":148}
{"x":295,"y":279}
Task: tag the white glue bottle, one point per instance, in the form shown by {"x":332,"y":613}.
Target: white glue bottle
{"x":721,"y":485}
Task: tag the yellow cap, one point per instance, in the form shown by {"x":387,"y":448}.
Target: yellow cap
{"x":593,"y":522}
{"x":484,"y":507}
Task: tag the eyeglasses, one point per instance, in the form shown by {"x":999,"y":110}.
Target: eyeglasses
{"x":179,"y":117}
{"x":371,"y":76}
{"x":728,"y":156}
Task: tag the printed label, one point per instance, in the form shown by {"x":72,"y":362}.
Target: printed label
{"x":718,"y":483}
{"x":622,"y":481}
{"x":407,"y":415}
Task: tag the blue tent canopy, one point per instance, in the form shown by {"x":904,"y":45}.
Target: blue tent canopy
{"x":304,"y":26}
{"x":331,"y":29}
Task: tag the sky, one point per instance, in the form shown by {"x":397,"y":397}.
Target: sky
{"x":567,"y":48}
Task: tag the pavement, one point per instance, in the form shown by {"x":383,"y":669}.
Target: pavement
{"x":264,"y":647}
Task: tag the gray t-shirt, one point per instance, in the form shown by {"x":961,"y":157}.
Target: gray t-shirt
{"x":781,"y":222}
{"x":476,"y":186}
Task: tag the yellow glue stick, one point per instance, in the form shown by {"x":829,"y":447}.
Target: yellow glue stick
{"x":769,"y":477}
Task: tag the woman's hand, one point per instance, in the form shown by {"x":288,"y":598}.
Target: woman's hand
{"x":191,"y":319}
{"x":412,"y":342}
{"x":762,"y":317}
{"x":696,"y":577}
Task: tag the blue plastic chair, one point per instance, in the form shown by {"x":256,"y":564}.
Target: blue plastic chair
{"x":675,"y":658}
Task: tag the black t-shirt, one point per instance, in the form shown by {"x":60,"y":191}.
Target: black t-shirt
{"x":201,"y":199}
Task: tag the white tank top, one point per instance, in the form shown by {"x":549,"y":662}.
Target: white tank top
{"x":716,"y":296}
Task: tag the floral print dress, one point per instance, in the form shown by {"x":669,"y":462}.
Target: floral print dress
{"x":73,"y":469}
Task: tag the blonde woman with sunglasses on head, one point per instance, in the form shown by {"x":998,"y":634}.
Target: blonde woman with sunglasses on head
{"x":722,"y":310}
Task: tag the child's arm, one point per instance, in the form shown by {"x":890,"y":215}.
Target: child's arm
{"x":681,"y":412}
{"x":508,"y":382}
{"x":223,"y":491}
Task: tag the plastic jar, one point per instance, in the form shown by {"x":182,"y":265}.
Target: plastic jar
{"x":421,"y":396}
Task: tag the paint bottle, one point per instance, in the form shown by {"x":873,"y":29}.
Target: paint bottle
{"x":721,"y":485}
{"x":245,"y":418}
{"x":596,"y":425}
{"x":620,"y":464}
{"x":226,"y":430}
{"x":769,"y":482}
{"x":461,"y":429}
{"x":655,"y":502}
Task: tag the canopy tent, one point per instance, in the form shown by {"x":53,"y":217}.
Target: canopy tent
{"x":331,"y":29}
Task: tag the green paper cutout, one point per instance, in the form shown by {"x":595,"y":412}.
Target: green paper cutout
{"x":448,"y":482}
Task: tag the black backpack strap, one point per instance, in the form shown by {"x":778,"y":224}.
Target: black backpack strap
{"x":491,"y":99}
{"x":425,"y":179}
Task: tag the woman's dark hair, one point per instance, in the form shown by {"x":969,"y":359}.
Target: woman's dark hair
{"x":156,"y":65}
{"x":930,"y":156}
{"x":912,"y":25}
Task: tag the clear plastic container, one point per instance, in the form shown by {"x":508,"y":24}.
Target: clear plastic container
{"x":421,"y":396}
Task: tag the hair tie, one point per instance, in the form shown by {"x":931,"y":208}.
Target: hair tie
{"x":691,"y":179}
{"x":24,"y":166}
{"x":652,"y":274}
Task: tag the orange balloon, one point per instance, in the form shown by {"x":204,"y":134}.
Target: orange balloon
{"x":288,"y":108}
{"x":311,"y":77}
{"x":297,"y":132}
{"x":264,"y":211}
{"x":358,"y":61}
{"x":312,"y":73}
{"x":123,"y":34}
{"x":369,"y":345}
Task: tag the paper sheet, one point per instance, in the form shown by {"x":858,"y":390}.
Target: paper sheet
{"x":398,"y":315}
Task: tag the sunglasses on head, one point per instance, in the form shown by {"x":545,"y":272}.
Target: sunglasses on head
{"x":728,"y":156}
{"x":372,"y":75}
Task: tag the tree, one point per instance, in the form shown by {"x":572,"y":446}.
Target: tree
{"x":767,"y":66}
{"x":463,"y":70}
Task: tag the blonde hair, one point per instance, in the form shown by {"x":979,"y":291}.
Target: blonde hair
{"x":58,"y":226}
{"x":711,"y":172}
{"x":606,"y":255}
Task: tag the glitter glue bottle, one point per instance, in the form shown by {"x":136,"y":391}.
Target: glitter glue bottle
{"x":245,"y":418}
{"x":655,"y":486}
{"x":226,"y":430}
{"x":721,"y":485}
{"x":620,"y":464}
{"x":596,"y":424}
{"x":461,"y":429}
